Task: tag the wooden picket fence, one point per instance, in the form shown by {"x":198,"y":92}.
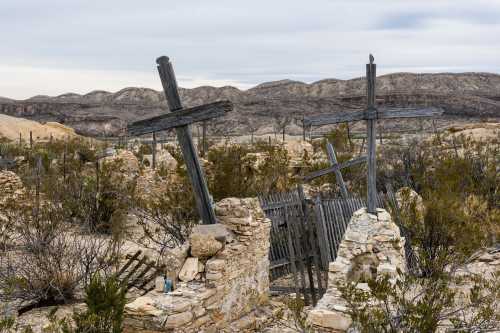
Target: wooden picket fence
{"x":294,"y":245}
{"x":333,"y":216}
{"x":306,"y":235}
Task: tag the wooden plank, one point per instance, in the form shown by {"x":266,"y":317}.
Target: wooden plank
{"x":331,"y":169}
{"x":330,"y":227}
{"x":338,"y":175}
{"x":294,"y":224}
{"x":336,"y":224}
{"x":200,"y":189}
{"x":316,"y":251}
{"x":135,"y":268}
{"x":338,"y":117}
{"x":154,"y":150}
{"x":371,"y":69}
{"x":292,"y":255}
{"x":127,"y":265}
{"x":306,"y":245}
{"x":177,"y":119}
{"x":382,"y":113}
{"x":148,"y":267}
{"x":415,"y":112}
{"x":323,"y":239}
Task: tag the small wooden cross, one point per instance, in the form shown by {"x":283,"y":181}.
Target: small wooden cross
{"x":180,"y":119}
{"x":371,"y":114}
{"x":335,"y":167}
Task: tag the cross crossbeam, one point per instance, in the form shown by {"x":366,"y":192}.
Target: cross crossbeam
{"x":381,"y":113}
{"x":334,"y":168}
{"x":371,"y":114}
{"x":177,"y":119}
{"x":180,"y":119}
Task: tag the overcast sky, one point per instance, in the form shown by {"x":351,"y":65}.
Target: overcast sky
{"x":57,"y":46}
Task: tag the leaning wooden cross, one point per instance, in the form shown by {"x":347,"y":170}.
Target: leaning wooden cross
{"x":335,"y":167}
{"x":180,"y":119}
{"x":371,"y":115}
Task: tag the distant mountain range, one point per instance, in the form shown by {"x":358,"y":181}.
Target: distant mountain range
{"x":464,"y":96}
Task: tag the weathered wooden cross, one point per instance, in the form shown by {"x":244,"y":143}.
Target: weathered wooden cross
{"x":180,"y":119}
{"x":371,"y":115}
{"x":335,"y":167}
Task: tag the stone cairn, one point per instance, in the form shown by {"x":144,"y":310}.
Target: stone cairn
{"x":11,"y":187}
{"x":222,"y":280}
{"x":372,"y":246}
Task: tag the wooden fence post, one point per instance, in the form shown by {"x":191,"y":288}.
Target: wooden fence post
{"x":323,"y":239}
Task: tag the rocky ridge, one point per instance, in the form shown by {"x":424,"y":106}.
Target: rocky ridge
{"x":463,"y":95}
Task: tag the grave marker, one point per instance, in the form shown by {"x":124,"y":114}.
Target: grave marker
{"x":371,"y":114}
{"x":180,"y":118}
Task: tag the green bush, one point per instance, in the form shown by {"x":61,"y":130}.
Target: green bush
{"x":105,"y":301}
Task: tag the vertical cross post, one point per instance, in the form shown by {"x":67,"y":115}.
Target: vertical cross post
{"x":154,"y":150}
{"x":202,"y":197}
{"x":338,"y":174}
{"x":371,"y":69}
{"x":204,"y":138}
{"x":31,"y":140}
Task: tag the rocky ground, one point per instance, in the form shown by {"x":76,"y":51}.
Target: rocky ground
{"x":273,"y":316}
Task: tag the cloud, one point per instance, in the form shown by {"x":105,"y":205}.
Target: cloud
{"x":83,"y":45}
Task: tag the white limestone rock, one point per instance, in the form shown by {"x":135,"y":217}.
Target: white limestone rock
{"x":189,"y":270}
{"x":372,"y":246}
{"x":204,"y":245}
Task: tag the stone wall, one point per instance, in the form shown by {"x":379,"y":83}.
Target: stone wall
{"x":372,"y":246}
{"x":224,"y":278}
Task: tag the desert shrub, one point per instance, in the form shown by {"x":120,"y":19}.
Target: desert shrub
{"x":234,"y":170}
{"x":412,"y":304}
{"x":96,"y":196}
{"x":273,"y":173}
{"x":339,"y":138}
{"x":233,"y":173}
{"x":51,"y":261}
{"x":105,"y":301}
{"x":167,"y":217}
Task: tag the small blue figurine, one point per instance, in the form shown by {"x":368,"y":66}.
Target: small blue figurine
{"x":168,"y":285}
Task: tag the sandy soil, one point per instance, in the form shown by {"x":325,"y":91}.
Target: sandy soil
{"x":10,"y":127}
{"x":479,"y":131}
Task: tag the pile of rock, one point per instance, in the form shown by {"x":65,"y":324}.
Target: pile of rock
{"x":163,"y":160}
{"x":11,"y":185}
{"x":410,"y":203}
{"x":297,"y":150}
{"x":224,"y":277}
{"x":372,"y":246}
{"x":149,"y":184}
{"x":128,"y":163}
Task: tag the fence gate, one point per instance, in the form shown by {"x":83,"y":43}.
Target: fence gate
{"x":295,"y":253}
{"x":306,"y":235}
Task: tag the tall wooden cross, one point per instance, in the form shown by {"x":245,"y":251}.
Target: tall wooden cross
{"x":371,"y":114}
{"x":336,"y":168}
{"x":180,"y":119}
